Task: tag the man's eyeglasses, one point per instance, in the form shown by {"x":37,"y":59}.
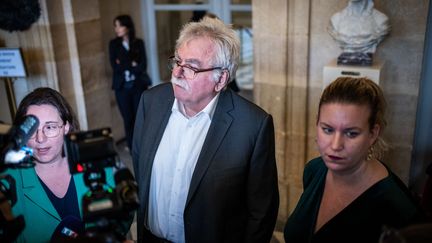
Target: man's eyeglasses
{"x":49,"y":130}
{"x":188,"y":71}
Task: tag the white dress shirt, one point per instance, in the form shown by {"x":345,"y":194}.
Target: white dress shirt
{"x":128,"y":75}
{"x":173,"y":168}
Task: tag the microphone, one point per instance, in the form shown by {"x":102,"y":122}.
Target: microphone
{"x":68,"y":229}
{"x":22,"y":133}
{"x":14,"y":150}
{"x":126,"y":188}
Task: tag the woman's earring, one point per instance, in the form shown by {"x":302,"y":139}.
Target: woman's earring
{"x":370,"y":154}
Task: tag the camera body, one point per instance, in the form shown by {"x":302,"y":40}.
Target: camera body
{"x":90,"y":150}
{"x":93,"y":153}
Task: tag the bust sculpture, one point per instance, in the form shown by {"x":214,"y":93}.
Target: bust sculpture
{"x":358,"y":29}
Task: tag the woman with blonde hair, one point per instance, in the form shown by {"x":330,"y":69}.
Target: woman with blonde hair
{"x":349,"y":194}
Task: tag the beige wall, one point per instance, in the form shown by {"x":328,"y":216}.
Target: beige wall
{"x":290,"y":53}
{"x":64,"y":50}
{"x":37,"y":51}
{"x":281,"y":78}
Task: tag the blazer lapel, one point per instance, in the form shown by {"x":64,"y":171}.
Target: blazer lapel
{"x":154,"y":131}
{"x":34,"y":191}
{"x":218,"y":128}
{"x":81,"y":190}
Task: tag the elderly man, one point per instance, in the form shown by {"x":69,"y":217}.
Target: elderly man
{"x":204,"y":157}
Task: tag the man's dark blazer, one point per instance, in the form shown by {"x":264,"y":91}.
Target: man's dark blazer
{"x":137,"y":53}
{"x":233,"y":195}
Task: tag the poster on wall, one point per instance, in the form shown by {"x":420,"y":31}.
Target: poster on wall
{"x":11,"y":63}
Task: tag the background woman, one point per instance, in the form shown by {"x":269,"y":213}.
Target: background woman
{"x":129,"y":63}
{"x":348,"y":193}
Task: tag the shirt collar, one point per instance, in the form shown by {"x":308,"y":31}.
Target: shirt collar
{"x":209,"y":109}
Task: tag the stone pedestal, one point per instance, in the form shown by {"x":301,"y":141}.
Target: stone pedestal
{"x":333,"y":71}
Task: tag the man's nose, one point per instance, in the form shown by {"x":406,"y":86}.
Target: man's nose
{"x":177,"y":71}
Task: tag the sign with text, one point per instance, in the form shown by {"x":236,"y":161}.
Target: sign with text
{"x":11,"y":63}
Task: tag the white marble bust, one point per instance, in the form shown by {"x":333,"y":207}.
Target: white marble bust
{"x":359,"y":27}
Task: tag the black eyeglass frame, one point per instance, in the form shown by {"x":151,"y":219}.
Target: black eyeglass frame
{"x":172,"y":60}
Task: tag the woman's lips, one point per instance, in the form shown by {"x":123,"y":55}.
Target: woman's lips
{"x":333,"y":157}
{"x":42,"y":150}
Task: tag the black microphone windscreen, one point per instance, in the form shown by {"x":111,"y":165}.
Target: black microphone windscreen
{"x":18,"y":15}
{"x":69,"y":228}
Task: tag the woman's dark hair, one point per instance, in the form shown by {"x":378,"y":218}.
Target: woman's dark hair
{"x":126,"y":21}
{"x":359,"y":91}
{"x":48,"y":96}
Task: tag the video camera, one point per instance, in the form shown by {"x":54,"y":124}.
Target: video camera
{"x":91,"y":152}
{"x":13,"y":154}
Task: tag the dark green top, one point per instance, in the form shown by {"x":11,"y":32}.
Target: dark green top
{"x":387,"y":202}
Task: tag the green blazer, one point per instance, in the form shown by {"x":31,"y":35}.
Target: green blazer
{"x":41,"y":218}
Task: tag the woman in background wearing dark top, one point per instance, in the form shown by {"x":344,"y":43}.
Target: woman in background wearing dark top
{"x":129,"y":63}
{"x":349,"y":194}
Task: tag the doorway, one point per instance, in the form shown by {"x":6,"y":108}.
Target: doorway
{"x":163,"y":19}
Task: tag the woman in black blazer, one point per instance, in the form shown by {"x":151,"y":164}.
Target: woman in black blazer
{"x":129,"y":63}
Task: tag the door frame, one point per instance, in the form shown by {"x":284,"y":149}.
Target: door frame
{"x":222,"y":8}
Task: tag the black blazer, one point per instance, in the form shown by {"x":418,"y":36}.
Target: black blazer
{"x":136,"y":53}
{"x":233,"y":195}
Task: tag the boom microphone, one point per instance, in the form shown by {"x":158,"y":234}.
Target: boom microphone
{"x":18,"y":15}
